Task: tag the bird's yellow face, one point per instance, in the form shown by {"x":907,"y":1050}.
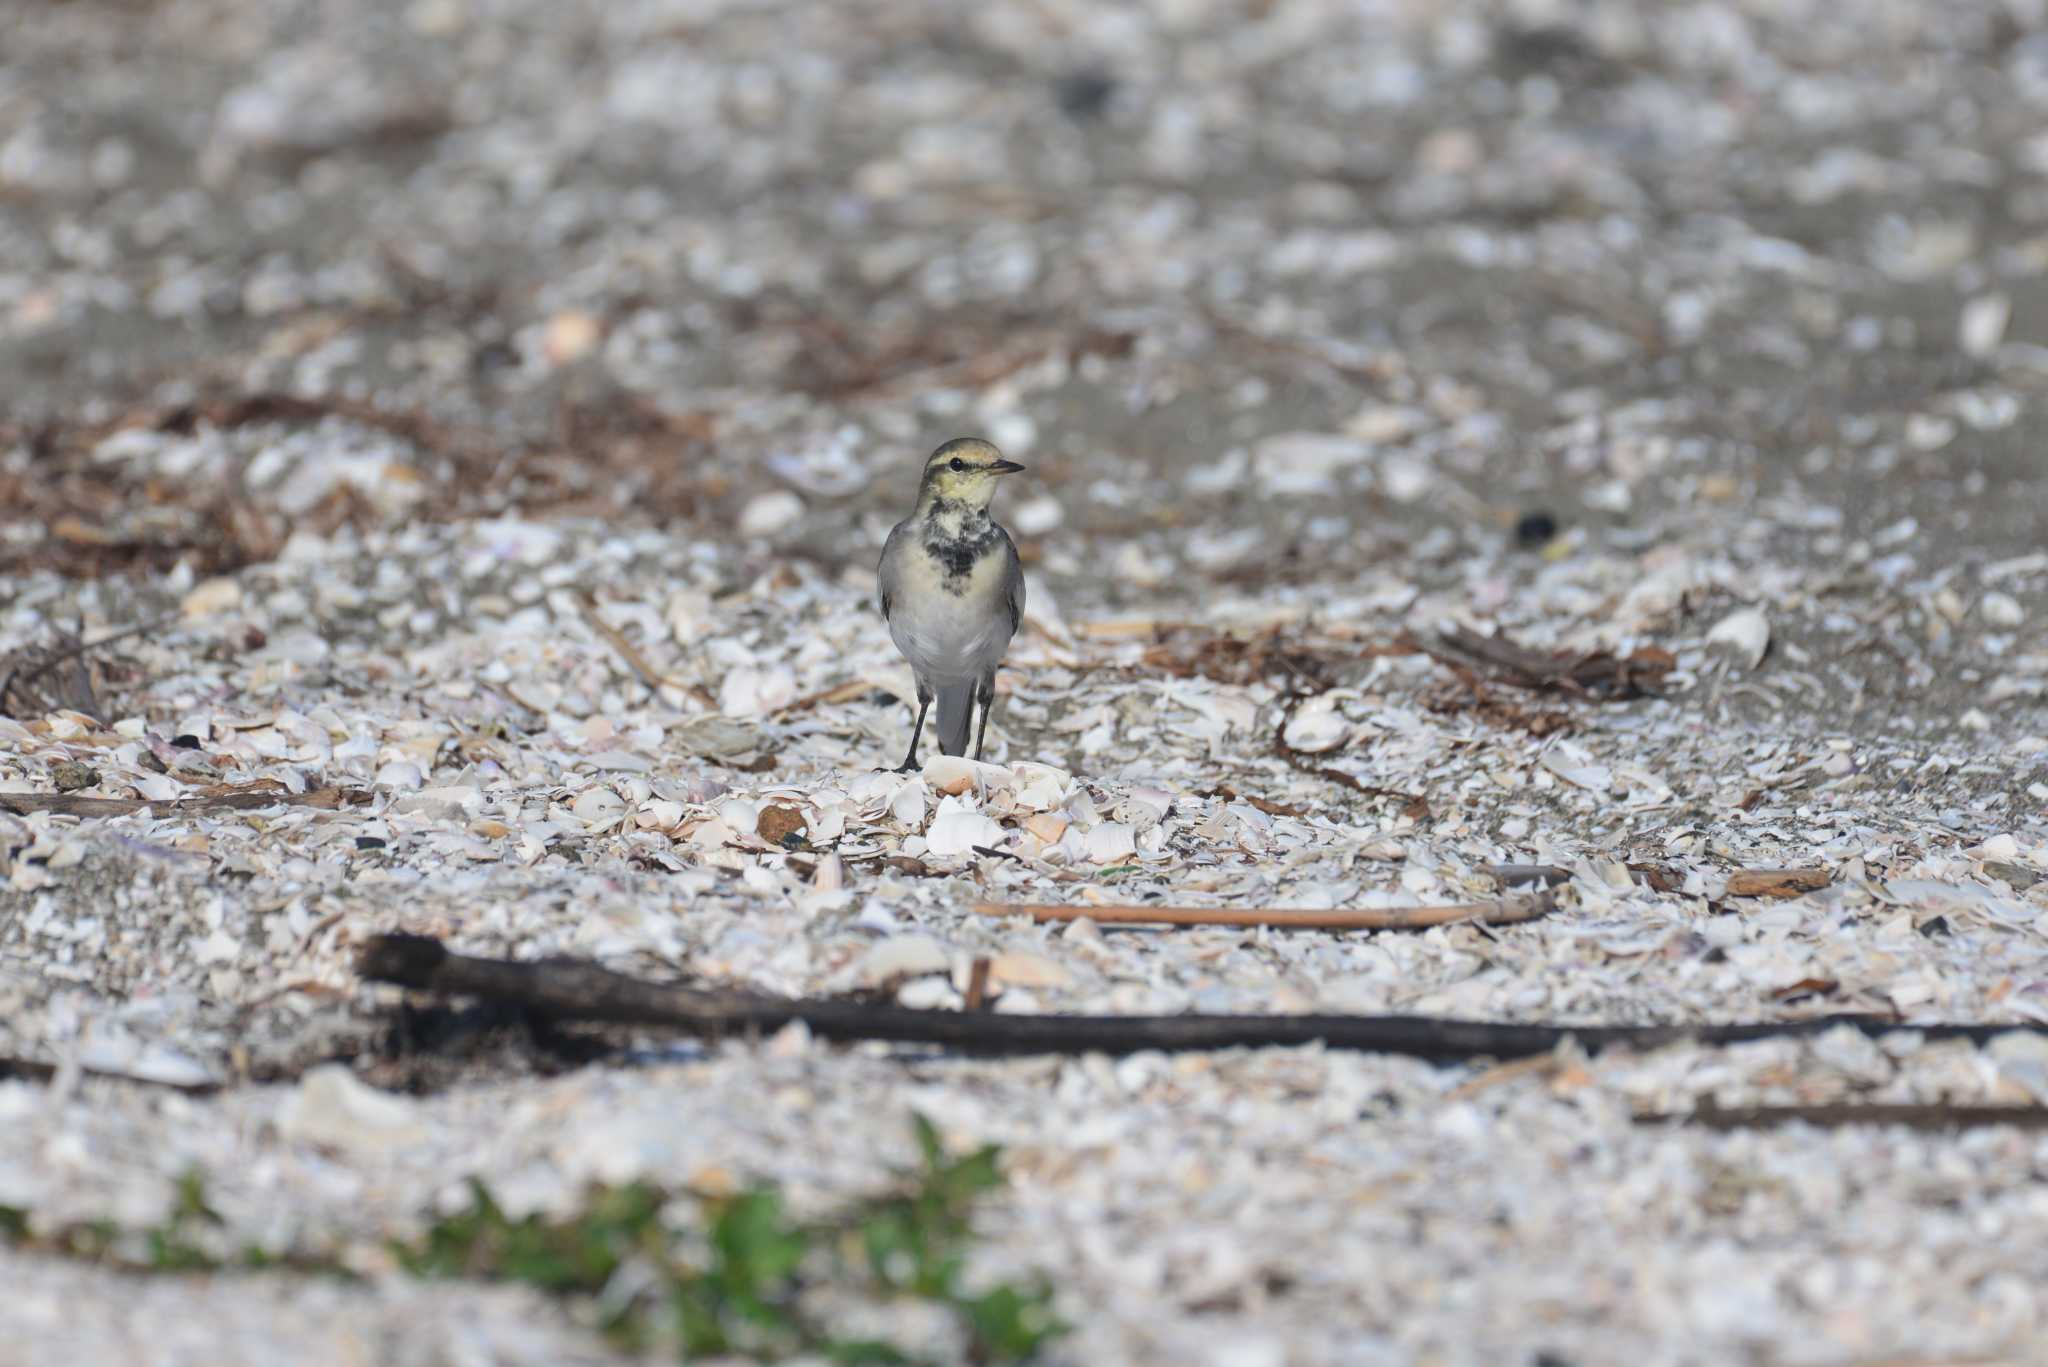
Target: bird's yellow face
{"x":965,"y":471}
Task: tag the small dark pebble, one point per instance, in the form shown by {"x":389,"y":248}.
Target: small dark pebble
{"x":1545,"y":1358}
{"x":1526,"y":51}
{"x":180,"y":421}
{"x":1935,"y":928}
{"x":1084,"y":94}
{"x":369,"y":842}
{"x":186,"y":742}
{"x":70,"y":775}
{"x":493,"y":356}
{"x":1535,"y":529}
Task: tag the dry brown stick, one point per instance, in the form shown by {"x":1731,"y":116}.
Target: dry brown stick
{"x":1505,"y":912}
{"x":1416,"y":808}
{"x":1364,"y":373}
{"x":39,"y":1070}
{"x":1520,"y":662}
{"x":577,"y":989}
{"x":1612,"y":307}
{"x":1918,"y":1117}
{"x":1507,"y":875}
{"x":971,"y":371}
{"x":72,"y":648}
{"x":630,"y":653}
{"x":1587,"y":674}
{"x":837,"y":693}
{"x":1264,"y":804}
{"x":416,"y":427}
{"x":70,"y":804}
{"x":1777,"y":882}
{"x":977,"y":985}
{"x":1127,"y":628}
{"x":78,"y":646}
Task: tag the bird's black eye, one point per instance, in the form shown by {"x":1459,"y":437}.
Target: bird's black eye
{"x":957,"y":464}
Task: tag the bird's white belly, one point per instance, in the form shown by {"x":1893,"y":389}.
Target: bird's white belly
{"x":951,"y":640}
{"x":948,"y":636}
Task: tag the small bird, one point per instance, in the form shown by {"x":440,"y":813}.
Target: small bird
{"x":953,"y":591}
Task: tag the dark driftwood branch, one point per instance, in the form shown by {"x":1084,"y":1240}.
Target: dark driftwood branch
{"x":71,"y":804}
{"x":1595,"y":674}
{"x":575,"y":989}
{"x":1505,"y":912}
{"x":1934,"y":1116}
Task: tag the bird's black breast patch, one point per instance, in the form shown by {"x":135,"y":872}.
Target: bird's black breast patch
{"x":959,"y":551}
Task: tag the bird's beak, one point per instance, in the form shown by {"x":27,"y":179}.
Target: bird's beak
{"x":1006,"y":467}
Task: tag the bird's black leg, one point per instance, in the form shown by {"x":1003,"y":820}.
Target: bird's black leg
{"x":985,"y":695}
{"x":924,"y":703}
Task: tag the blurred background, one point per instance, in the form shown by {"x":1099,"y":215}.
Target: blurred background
{"x":481,"y":418}
{"x":1494,"y":307}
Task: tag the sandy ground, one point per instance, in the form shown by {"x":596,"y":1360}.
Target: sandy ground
{"x":387,"y":365}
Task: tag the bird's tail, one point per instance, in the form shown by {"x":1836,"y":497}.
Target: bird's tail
{"x":956,"y":717}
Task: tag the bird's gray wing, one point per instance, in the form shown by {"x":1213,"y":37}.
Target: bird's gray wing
{"x":889,"y":572}
{"x":1013,"y":584}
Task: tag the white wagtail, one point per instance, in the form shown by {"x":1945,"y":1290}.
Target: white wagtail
{"x":953,"y":591}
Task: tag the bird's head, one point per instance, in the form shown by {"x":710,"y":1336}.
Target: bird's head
{"x":965,"y":471}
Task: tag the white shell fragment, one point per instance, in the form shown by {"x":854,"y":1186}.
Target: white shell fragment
{"x":2001,"y":609}
{"x":1746,"y":633}
{"x":331,"y":1109}
{"x":210,"y":597}
{"x":957,"y":829}
{"x":905,"y":956}
{"x":1023,"y":968}
{"x":1567,"y":763}
{"x":1983,"y":324}
{"x":400,"y":774}
{"x":1317,"y":725}
{"x":1306,"y":462}
{"x":598,"y":807}
{"x":1110,"y":842}
{"x":767,"y":514}
{"x":951,"y":774}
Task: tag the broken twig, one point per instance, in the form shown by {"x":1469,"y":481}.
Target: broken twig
{"x":576,"y":989}
{"x":655,"y":680}
{"x":976,"y":995}
{"x":1592,"y":674}
{"x":24,"y":668}
{"x":1918,"y":1117}
{"x":1505,"y":912}
{"x":1414,"y":806}
{"x":1507,"y":875}
{"x":1777,"y":882}
{"x":70,"y":804}
{"x":41,"y":1070}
